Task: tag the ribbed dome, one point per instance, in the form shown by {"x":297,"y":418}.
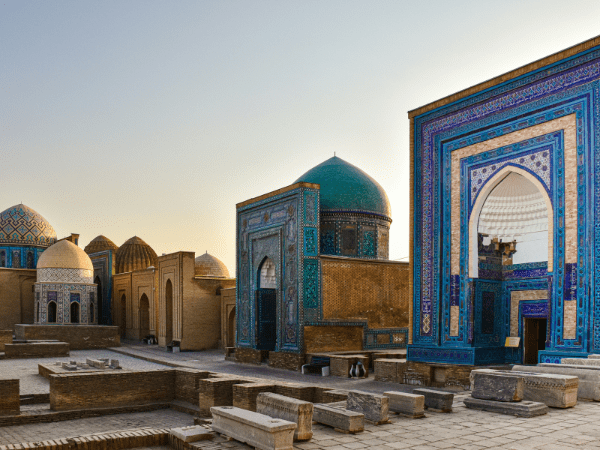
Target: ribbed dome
{"x":64,"y":255}
{"x":99,"y":244}
{"x":514,"y":208}
{"x":345,"y":187}
{"x":135,"y":254}
{"x":209,"y":266}
{"x":21,"y":225}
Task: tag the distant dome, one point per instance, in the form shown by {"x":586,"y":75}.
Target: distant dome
{"x":346,"y":188}
{"x":209,"y":266}
{"x":99,"y":244}
{"x":21,"y":225}
{"x":65,"y":255}
{"x":135,"y":254}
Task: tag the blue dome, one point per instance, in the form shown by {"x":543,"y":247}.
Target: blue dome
{"x":346,"y":188}
{"x":21,"y":225}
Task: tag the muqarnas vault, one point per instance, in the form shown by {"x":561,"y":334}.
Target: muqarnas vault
{"x":313,"y":273}
{"x":505,"y":216}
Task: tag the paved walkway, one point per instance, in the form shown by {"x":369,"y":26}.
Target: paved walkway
{"x":214,"y":361}
{"x":577,"y":427}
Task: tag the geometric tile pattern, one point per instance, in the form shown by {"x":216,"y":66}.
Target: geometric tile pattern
{"x":58,"y":275}
{"x":20,"y":224}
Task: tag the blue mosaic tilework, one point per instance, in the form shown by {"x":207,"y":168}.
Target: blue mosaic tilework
{"x":567,"y":87}
{"x":428,"y":131}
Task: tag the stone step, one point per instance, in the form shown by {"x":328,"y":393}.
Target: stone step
{"x":519,"y":409}
{"x":340,"y":419}
{"x":589,"y":377}
{"x":411,"y":405}
{"x":495,"y":386}
{"x":436,"y":400}
{"x":290,"y":409}
{"x":262,"y":432}
{"x":375,"y":407}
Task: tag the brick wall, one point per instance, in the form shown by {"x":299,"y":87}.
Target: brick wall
{"x":216,"y":392}
{"x":186,"y":384}
{"x":17,"y":297}
{"x":79,"y":337}
{"x":94,"y":390}
{"x":390,"y":370}
{"x":6,"y":337}
{"x":331,"y":339}
{"x":36,"y":350}
{"x":244,"y":395}
{"x":146,"y":437}
{"x":366,"y":289}
{"x":248,"y":355}
{"x":10,"y":400}
{"x":284,"y":360}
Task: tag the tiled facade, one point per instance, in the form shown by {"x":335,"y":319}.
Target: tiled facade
{"x":541,"y":122}
{"x":335,"y":299}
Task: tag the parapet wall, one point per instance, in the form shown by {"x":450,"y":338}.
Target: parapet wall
{"x":79,"y":337}
{"x":95,"y":390}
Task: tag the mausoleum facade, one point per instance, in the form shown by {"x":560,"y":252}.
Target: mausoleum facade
{"x":505,"y":235}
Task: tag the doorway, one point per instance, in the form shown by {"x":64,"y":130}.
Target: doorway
{"x":168,"y":312}
{"x":144,"y":316}
{"x":534,"y":339}
{"x":266,"y":306}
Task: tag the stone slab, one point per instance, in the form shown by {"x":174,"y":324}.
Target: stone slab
{"x":411,"y":405}
{"x":519,"y":409}
{"x":437,"y":400}
{"x":290,"y":409}
{"x":589,"y":377}
{"x":375,"y":407}
{"x":191,"y":434}
{"x":554,"y":390}
{"x":593,"y":356}
{"x":262,"y":432}
{"x":341,"y":419}
{"x":497,"y":387}
{"x":581,"y":361}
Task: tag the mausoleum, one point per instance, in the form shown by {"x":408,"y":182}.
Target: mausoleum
{"x":313,"y":273}
{"x":65,"y":292}
{"x":505,"y":216}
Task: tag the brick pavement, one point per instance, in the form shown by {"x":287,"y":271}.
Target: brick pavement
{"x":164,"y":418}
{"x":466,"y":429}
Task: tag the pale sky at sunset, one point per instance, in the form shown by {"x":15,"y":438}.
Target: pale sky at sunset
{"x":154,"y":118}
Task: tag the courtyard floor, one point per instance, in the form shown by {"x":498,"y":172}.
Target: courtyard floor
{"x":577,"y":427}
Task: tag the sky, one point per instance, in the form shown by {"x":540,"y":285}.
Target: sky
{"x":154,"y":118}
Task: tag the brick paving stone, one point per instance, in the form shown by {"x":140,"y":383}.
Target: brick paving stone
{"x":165,"y":418}
{"x":578,"y":427}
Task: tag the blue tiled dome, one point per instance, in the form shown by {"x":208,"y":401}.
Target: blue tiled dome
{"x":346,"y":188}
{"x":21,"y":225}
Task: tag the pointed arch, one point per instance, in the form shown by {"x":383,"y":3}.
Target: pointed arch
{"x":480,"y":201}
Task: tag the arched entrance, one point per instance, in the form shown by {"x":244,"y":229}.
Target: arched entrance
{"x":144,"y":316}
{"x":51,"y":312}
{"x":74,"y":312}
{"x":123,"y":315}
{"x":169,"y":312}
{"x":512,"y":224}
{"x":266,"y":306}
{"x":99,"y":300}
{"x":231,"y":328}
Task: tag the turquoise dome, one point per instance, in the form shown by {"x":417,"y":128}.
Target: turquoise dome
{"x":346,"y":188}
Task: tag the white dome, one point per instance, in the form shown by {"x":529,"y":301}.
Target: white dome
{"x":514,"y":208}
{"x":65,"y":262}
